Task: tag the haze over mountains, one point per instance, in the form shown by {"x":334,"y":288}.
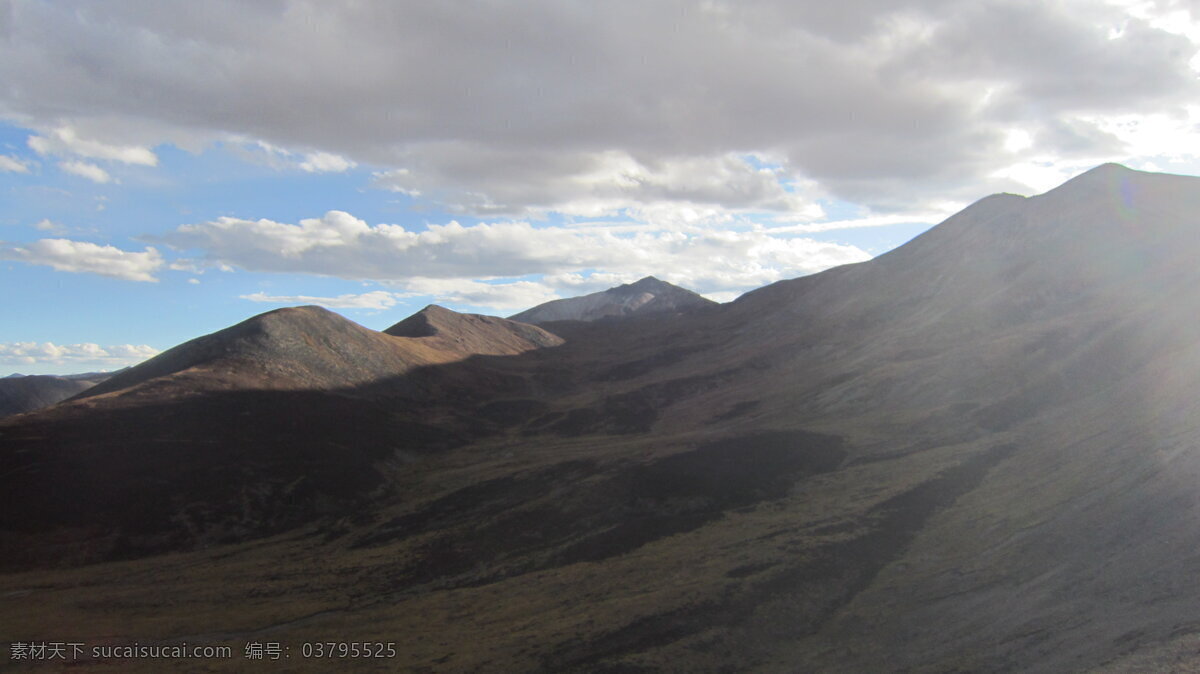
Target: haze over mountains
{"x":977,"y":452}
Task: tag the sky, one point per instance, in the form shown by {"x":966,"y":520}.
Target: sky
{"x":170,"y":168}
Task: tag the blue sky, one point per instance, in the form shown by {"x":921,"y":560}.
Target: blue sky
{"x":168,"y":172}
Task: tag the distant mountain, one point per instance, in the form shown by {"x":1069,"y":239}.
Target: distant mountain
{"x":472,"y":333}
{"x":250,"y":429}
{"x":93,"y":376}
{"x":977,"y":452}
{"x":646,"y":296}
{"x":26,"y":393}
{"x":314,"y":348}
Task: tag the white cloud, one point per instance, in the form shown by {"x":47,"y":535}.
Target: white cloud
{"x":723,"y":297}
{"x":262,"y":152}
{"x":279,"y":158}
{"x":340,"y":245}
{"x":84,"y":169}
{"x":48,"y":225}
{"x":184,"y":264}
{"x":1162,"y":135}
{"x":376,"y":299}
{"x":496,"y":297}
{"x":667,"y":191}
{"x":12,"y":164}
{"x":868,"y":221}
{"x":92,"y":355}
{"x":65,"y":141}
{"x":84,"y":257}
{"x":573,"y":283}
{"x":1040,"y":175}
{"x":324,"y":162}
{"x":1018,"y":140}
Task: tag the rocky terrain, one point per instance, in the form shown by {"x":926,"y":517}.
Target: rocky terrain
{"x":977,"y":452}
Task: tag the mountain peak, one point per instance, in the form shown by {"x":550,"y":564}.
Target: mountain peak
{"x":424,"y":323}
{"x":472,"y":333}
{"x":645,"y":296}
{"x":652,"y":284}
{"x":293,"y":347}
{"x":311,"y":347}
{"x":1106,"y":168}
{"x":1103,"y":177}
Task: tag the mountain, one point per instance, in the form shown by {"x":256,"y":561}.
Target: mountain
{"x":25,"y":393}
{"x":472,"y":333}
{"x":646,"y":296}
{"x":246,"y":431}
{"x":314,"y":348}
{"x":977,"y":452}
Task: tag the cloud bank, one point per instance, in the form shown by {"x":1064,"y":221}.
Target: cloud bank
{"x":94,"y":355}
{"x":343,"y":246}
{"x":85,"y":170}
{"x":376,"y":299}
{"x":701,"y":141}
{"x":515,"y":109}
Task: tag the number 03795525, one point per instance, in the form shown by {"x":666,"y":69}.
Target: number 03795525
{"x":348,"y":649}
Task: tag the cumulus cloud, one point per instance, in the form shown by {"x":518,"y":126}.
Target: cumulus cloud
{"x":280,"y":158}
{"x":85,"y":170}
{"x":341,"y":245}
{"x":539,"y":106}
{"x":885,"y":220}
{"x":85,"y":257}
{"x":324,"y":162}
{"x":92,"y":355}
{"x":672,"y":191}
{"x":376,"y":299}
{"x":65,"y":141}
{"x":495,"y":296}
{"x":48,"y":225}
{"x":575,"y":283}
{"x":10,"y":164}
{"x":499,"y":297}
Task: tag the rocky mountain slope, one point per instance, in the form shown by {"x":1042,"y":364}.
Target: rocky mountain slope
{"x":453,"y":332}
{"x":977,"y":452}
{"x":314,"y":348}
{"x":647,"y":296}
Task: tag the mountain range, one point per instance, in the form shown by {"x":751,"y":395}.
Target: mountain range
{"x":977,"y":452}
{"x":25,"y":393}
